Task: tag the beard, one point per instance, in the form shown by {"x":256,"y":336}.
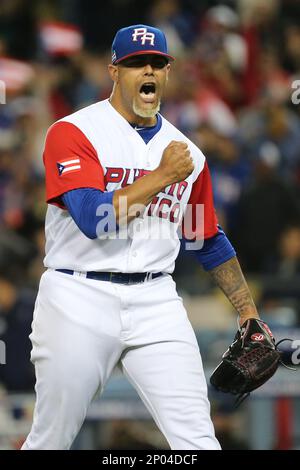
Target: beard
{"x":145,"y":113}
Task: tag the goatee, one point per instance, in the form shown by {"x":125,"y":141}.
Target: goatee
{"x":145,"y":113}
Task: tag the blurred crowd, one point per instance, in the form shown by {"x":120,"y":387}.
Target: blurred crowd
{"x":230,"y":91}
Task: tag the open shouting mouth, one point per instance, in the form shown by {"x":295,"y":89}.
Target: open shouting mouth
{"x":148,"y":92}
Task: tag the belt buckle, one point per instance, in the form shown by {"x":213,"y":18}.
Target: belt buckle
{"x":148,"y":276}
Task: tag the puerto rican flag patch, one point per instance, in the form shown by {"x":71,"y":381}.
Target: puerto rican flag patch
{"x":67,"y":166}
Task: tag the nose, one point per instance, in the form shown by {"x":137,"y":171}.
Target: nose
{"x":148,"y":69}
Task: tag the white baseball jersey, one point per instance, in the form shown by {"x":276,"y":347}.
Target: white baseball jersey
{"x":97,"y":148}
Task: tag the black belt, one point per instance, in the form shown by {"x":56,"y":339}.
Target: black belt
{"x":119,"y":278}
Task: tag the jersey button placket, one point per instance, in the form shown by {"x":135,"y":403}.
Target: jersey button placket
{"x":133,"y":261}
{"x":148,"y":159}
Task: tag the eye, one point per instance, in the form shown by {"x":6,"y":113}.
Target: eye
{"x":134,"y":62}
{"x":159,"y":62}
{"x":141,"y":61}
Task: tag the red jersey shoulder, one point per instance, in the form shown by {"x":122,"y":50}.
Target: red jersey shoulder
{"x":201,"y":194}
{"x":71,"y":161}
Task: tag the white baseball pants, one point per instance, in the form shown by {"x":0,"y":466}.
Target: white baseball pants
{"x":82,"y":328}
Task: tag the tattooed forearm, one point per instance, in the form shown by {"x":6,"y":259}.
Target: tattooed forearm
{"x":229,"y":277}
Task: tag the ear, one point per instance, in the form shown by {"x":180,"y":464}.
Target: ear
{"x":113,"y":72}
{"x":168,"y":71}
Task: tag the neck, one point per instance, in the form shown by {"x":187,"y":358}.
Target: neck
{"x":130,"y":116}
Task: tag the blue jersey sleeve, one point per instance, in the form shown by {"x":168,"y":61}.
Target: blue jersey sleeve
{"x":92,"y":210}
{"x":215,"y":251}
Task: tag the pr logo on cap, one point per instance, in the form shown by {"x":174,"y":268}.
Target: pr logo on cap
{"x":139,"y":39}
{"x":143,"y":35}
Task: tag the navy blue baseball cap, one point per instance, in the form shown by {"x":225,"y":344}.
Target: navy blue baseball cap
{"x":139,"y":39}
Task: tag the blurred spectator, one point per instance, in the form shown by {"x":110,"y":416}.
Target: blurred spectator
{"x":286,"y":264}
{"x":221,"y":53}
{"x":227,"y":22}
{"x":59,"y":39}
{"x":262,"y":14}
{"x":274,"y":123}
{"x":16,"y":74}
{"x":266,"y":209}
{"x":280,"y":297}
{"x":229,"y":171}
{"x":275,"y":81}
{"x":292,"y":47}
{"x":16,"y":308}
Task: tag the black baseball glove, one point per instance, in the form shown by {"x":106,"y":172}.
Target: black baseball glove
{"x":249,"y":362}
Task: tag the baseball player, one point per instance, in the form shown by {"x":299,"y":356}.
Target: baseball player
{"x":119,"y":180}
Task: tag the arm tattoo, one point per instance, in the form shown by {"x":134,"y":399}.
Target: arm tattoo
{"x":229,"y":277}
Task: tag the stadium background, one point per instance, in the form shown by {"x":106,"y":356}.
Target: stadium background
{"x":231,"y":91}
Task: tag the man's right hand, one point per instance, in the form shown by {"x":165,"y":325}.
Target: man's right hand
{"x":176,"y":163}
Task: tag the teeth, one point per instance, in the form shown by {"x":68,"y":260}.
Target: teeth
{"x":147,"y":97}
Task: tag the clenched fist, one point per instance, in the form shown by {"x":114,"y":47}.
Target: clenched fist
{"x":176,"y":163}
